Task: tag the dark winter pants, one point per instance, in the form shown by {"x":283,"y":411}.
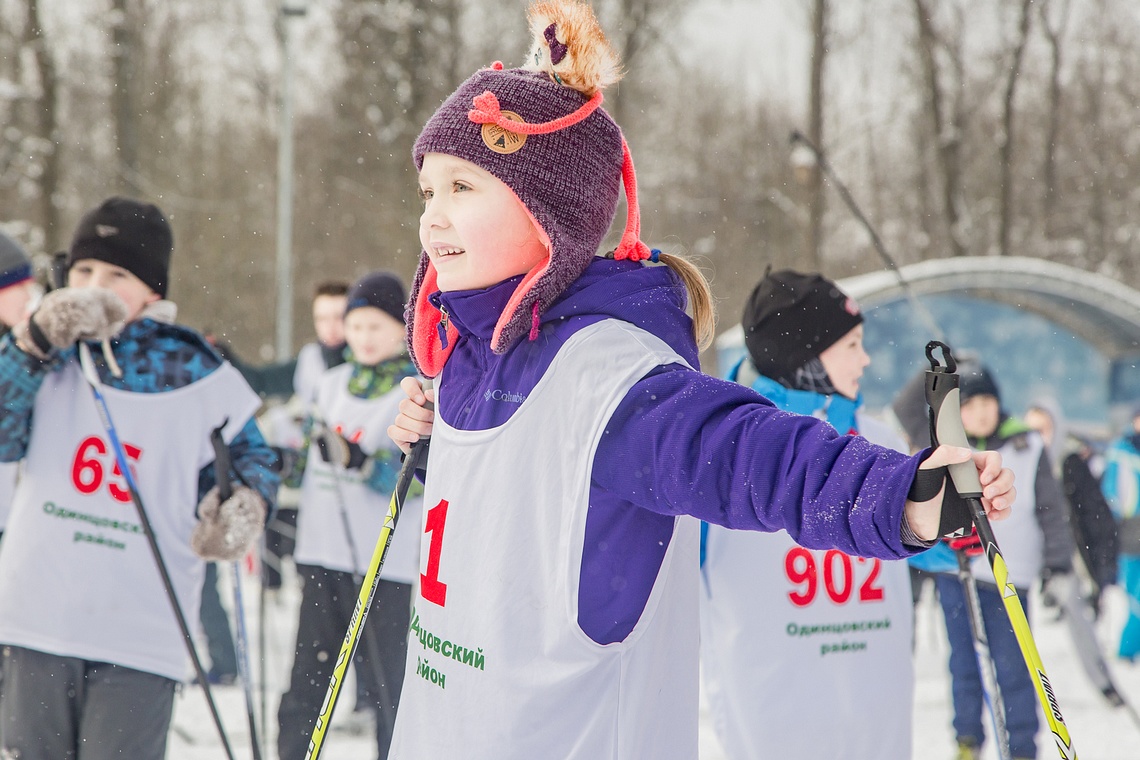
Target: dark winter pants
{"x":280,"y":533}
{"x":327,"y":600}
{"x":63,"y":708}
{"x":966,"y":679}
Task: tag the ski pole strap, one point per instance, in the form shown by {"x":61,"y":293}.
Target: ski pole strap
{"x":942,"y":396}
{"x":926,"y":484}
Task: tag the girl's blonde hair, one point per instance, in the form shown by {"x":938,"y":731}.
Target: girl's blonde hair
{"x":700,"y":297}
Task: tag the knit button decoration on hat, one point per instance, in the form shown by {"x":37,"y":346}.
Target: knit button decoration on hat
{"x":381,"y":290}
{"x":15,"y":265}
{"x":541,"y":131}
{"x":791,"y":318}
{"x":129,"y":234}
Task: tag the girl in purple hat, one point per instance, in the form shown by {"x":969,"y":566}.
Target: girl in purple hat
{"x":576,"y":440}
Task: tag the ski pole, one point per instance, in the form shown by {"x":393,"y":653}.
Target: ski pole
{"x":225,"y":491}
{"x":342,"y":506}
{"x":92,"y":377}
{"x":946,"y":427}
{"x":414,"y":461}
{"x":982,"y":651}
{"x":853,"y":207}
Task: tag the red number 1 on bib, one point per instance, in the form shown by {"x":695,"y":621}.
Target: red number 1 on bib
{"x":430,"y":586}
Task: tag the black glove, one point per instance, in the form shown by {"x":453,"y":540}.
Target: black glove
{"x":286,"y":461}
{"x":1055,"y":587}
{"x":336,"y":449}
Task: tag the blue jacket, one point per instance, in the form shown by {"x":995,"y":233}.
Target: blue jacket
{"x":155,"y":357}
{"x":680,"y":443}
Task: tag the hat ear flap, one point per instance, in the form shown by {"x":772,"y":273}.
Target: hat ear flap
{"x":430,"y":339}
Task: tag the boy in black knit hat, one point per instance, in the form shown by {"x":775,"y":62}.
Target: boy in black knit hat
{"x":805,"y":355}
{"x":346,"y":474}
{"x":93,"y":654}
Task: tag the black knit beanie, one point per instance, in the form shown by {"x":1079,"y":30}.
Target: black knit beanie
{"x":791,"y":318}
{"x":976,"y":380}
{"x":382,"y":290}
{"x":15,"y":265}
{"x":129,"y":234}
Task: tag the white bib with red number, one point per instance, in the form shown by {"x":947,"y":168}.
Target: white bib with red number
{"x":806,"y":653}
{"x":498,"y":666}
{"x":340,"y":517}
{"x":77,"y":576}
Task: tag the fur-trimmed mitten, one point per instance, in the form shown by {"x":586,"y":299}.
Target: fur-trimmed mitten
{"x":225,"y":531}
{"x":68,"y":315}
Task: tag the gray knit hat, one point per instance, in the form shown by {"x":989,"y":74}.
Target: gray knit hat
{"x":15,"y":264}
{"x":541,"y":131}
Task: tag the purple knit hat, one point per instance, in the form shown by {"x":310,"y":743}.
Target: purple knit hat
{"x":544,"y":135}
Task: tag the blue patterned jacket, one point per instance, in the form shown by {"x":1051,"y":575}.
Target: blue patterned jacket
{"x":155,"y":356}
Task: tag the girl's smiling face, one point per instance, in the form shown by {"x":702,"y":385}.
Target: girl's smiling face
{"x":475,"y":230}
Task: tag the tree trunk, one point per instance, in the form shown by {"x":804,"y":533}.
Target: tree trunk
{"x":46,"y":129}
{"x":947,"y":136}
{"x":1055,"y":35}
{"x":125,"y":111}
{"x":1005,"y":149}
{"x":814,"y":243}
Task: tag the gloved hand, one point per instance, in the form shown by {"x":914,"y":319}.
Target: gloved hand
{"x":226,"y":530}
{"x":971,"y":543}
{"x":286,"y":461}
{"x":338,"y":450}
{"x":1055,"y":588}
{"x":68,"y":315}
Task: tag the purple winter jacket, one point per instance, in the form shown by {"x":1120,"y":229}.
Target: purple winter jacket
{"x":680,"y":443}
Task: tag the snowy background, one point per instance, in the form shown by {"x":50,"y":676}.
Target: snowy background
{"x":1100,"y":732}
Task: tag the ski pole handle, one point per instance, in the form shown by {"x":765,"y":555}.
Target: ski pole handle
{"x":942,"y":394}
{"x":221,"y":462}
{"x":946,"y":427}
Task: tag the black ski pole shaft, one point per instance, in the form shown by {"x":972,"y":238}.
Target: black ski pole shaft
{"x":92,"y":378}
{"x":225,"y":491}
{"x":412,"y":462}
{"x":825,"y":167}
{"x":946,"y":428}
{"x":982,"y":651}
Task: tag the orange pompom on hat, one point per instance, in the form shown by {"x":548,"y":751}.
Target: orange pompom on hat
{"x":540,"y":129}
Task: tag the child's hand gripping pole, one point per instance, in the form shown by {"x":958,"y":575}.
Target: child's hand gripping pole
{"x":415,"y":460}
{"x":946,"y":428}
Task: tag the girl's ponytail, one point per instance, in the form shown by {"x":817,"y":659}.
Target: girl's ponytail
{"x":700,"y":297}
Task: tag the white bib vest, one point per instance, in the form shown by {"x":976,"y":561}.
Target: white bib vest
{"x":806,"y":653}
{"x":497,"y":664}
{"x":77,"y":577}
{"x":9,"y":471}
{"x":322,"y":538}
{"x":1019,"y":537}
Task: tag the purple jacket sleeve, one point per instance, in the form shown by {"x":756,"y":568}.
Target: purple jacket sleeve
{"x":682,"y":442}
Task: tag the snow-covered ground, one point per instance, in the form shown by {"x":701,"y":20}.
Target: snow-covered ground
{"x":1099,"y":731}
